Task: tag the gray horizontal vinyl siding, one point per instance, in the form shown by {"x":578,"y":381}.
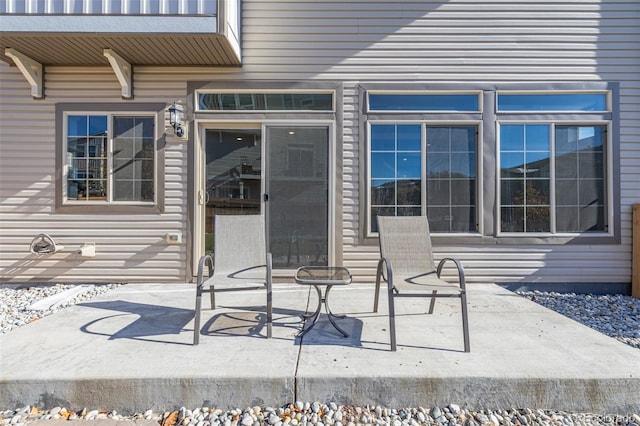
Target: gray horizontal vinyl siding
{"x":461,"y":41}
{"x":129,"y":247}
{"x":352,"y":42}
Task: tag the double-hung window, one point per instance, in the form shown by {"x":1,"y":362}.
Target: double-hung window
{"x":424,"y":165}
{"x":108,"y":158}
{"x":554,"y":173}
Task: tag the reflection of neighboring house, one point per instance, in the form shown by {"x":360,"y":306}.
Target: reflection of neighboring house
{"x":541,"y":168}
{"x":234,"y":175}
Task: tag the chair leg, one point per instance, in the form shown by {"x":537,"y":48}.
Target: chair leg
{"x":212,"y":296}
{"x":392,"y":319}
{"x":196,"y":324}
{"x":269,"y":312}
{"x":376,"y":294}
{"x":465,"y":322}
{"x":432,"y":305}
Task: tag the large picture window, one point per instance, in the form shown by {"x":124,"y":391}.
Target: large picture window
{"x":552,"y":178}
{"x":424,"y":169}
{"x":553,"y":163}
{"x":508,"y":163}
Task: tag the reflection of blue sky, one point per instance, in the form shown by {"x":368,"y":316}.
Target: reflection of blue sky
{"x":423,"y":102}
{"x":515,"y":137}
{"x":77,"y":125}
{"x":391,"y":137}
{"x":383,"y":137}
{"x":511,"y":137}
{"x":511,"y":159}
{"x":409,"y":137}
{"x":406,"y":161}
{"x":409,"y":165}
{"x":586,"y":132}
{"x":537,"y":137}
{"x":536,"y":156}
{"x":383,"y":165}
{"x":552,"y":102}
{"x":577,"y":138}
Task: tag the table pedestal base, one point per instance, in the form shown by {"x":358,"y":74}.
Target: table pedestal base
{"x":322,"y":300}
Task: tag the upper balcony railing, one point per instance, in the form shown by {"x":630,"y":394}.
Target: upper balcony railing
{"x":109,"y":7}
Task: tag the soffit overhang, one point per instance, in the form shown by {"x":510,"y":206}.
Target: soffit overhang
{"x":173,"y":40}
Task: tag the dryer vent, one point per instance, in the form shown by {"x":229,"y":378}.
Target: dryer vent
{"x":44,"y":244}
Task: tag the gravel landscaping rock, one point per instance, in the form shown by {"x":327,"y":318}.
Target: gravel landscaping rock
{"x":331,"y":415}
{"x":19,"y":303}
{"x":615,"y":315}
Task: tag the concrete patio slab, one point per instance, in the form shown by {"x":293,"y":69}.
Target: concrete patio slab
{"x":130,"y":350}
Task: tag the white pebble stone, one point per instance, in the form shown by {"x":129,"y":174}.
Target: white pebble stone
{"x":273,"y":419}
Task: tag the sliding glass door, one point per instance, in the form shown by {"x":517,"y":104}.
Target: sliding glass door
{"x":285,"y":177}
{"x":297,"y":195}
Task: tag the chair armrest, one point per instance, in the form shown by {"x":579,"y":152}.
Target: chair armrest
{"x":461,"y":277}
{"x":388,"y":270}
{"x":205,"y":261}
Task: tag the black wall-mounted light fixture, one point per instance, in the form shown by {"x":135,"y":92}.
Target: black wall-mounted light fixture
{"x":175,"y":119}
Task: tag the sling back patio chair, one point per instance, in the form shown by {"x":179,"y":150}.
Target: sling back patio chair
{"x":407,"y":264}
{"x":240,"y":262}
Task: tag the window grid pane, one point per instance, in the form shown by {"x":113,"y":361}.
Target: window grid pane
{"x":86,"y":158}
{"x":133,"y":166}
{"x":580,"y":181}
{"x":396,"y":164}
{"x":525,"y":186}
{"x":451,"y":178}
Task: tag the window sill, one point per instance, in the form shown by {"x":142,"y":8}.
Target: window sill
{"x":528,"y":239}
{"x":109,"y":208}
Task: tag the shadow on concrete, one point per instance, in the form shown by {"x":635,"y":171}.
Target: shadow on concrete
{"x":323,"y":333}
{"x":151,"y":320}
{"x":245,"y":322}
